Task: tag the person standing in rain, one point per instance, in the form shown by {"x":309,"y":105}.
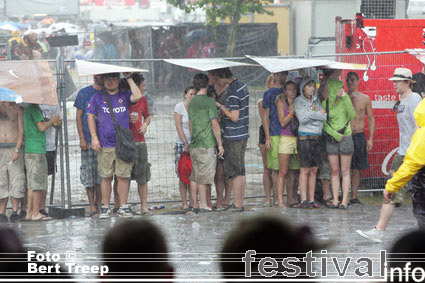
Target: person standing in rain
{"x":363,"y":107}
{"x":205,"y":136}
{"x":12,"y":173}
{"x":108,"y":163}
{"x":89,"y":175}
{"x":405,"y":107}
{"x":236,"y":134}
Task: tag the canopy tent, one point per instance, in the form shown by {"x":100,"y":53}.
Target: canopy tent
{"x":86,"y":68}
{"x":206,"y":64}
{"x":27,"y":81}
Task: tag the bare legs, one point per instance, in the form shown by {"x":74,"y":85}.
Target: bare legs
{"x":355,"y":181}
{"x":283,"y":171}
{"x":346,"y":180}
{"x":307,"y":183}
{"x":267,"y":174}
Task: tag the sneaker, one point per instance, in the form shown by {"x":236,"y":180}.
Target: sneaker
{"x":355,"y":201}
{"x":313,"y":204}
{"x":105,"y":213}
{"x":22,"y":215}
{"x":114,"y":212}
{"x":14,"y":217}
{"x":125,"y":212}
{"x":375,"y":235}
{"x":305,"y":204}
{"x":3,"y":218}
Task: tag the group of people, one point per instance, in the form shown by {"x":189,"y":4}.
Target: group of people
{"x":28,"y":154}
{"x":212,"y":125}
{"x":308,"y":134}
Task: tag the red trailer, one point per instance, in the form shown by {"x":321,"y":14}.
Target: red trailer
{"x":380,"y":35}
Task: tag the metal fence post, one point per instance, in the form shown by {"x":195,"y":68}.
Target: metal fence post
{"x":59,"y":73}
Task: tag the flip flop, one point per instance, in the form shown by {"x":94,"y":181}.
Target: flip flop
{"x":202,"y":210}
{"x":267,"y":204}
{"x":147,"y":213}
{"x":294,"y":205}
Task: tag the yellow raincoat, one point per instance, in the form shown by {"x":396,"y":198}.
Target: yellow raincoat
{"x":415,"y":155}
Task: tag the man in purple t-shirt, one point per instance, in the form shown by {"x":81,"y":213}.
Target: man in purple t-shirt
{"x":103,"y":138}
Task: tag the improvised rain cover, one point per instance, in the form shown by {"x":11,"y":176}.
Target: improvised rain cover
{"x":86,"y":68}
{"x":206,"y":64}
{"x":418,"y":53}
{"x":31,"y":80}
{"x":276,"y":64}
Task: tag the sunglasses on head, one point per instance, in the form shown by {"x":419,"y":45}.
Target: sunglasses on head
{"x":396,"y":105}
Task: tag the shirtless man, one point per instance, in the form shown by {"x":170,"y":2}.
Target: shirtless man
{"x":12,"y":175}
{"x":363,"y":106}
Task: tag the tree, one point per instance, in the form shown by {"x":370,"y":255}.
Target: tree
{"x":223,"y":9}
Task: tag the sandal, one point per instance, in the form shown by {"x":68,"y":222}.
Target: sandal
{"x":294,"y":205}
{"x":94,"y":214}
{"x":267,"y":204}
{"x":42,"y":218}
{"x":341,"y":206}
{"x":332,"y":206}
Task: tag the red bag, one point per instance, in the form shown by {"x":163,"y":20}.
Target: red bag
{"x":184,"y":167}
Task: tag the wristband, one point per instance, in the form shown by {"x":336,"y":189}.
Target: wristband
{"x":185,"y":143}
{"x":290,"y":115}
{"x":267,"y":138}
{"x":221,"y":106}
{"x":16,"y":150}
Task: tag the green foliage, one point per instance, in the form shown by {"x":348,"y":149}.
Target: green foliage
{"x":222,"y":9}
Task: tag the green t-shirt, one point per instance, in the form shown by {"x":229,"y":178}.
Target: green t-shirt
{"x":35,"y":141}
{"x":202,"y":110}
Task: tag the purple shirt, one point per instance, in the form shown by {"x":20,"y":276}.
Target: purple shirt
{"x":287,"y":130}
{"x":105,"y":127}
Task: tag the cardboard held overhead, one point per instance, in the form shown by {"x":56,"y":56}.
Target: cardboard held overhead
{"x":206,"y":64}
{"x":276,"y":64}
{"x":86,"y":68}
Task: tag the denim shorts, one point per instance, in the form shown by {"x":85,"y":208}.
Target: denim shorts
{"x":344,"y":147}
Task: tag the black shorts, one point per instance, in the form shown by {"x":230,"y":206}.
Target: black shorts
{"x":51,"y":162}
{"x":262,"y":136}
{"x":359,"y":160}
{"x":309,"y":153}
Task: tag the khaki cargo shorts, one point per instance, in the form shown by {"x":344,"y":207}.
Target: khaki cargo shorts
{"x":36,"y":165}
{"x":109,"y":164}
{"x":397,"y":198}
{"x":204,"y":163}
{"x":12,"y":174}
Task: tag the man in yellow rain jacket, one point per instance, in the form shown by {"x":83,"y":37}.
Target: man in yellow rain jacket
{"x":413,"y":167}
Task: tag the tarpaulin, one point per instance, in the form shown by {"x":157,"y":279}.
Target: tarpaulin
{"x":31,"y":80}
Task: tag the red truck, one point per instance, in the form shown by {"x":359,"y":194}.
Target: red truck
{"x":361,"y":37}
